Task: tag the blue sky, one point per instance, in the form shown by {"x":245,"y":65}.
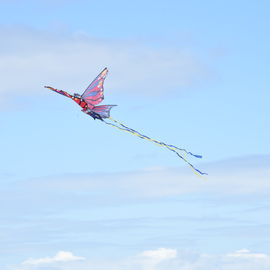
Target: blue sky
{"x":78,"y":194}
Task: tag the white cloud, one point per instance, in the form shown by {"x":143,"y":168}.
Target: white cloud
{"x":31,"y":59}
{"x":149,"y":259}
{"x":61,"y":256}
{"x":247,"y":254}
{"x":160,"y":254}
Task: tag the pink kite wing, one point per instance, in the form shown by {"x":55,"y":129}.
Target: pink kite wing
{"x":103,"y":110}
{"x":93,"y":94}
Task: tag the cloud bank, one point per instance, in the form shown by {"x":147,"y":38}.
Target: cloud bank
{"x":70,"y":210}
{"x":162,"y":259}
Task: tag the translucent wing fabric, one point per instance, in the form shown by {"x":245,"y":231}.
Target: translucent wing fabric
{"x":93,"y":94}
{"x":103,"y":110}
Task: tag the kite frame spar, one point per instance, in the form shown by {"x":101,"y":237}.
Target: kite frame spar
{"x":94,"y":94}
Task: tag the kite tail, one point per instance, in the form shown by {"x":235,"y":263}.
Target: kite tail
{"x":172,"y":148}
{"x":156,"y":141}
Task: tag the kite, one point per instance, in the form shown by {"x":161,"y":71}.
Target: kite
{"x":94,"y":94}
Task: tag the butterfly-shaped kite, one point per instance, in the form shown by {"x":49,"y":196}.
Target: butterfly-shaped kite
{"x":93,"y":95}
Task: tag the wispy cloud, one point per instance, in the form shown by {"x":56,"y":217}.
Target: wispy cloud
{"x":247,"y":175}
{"x":31,"y":59}
{"x":61,"y":256}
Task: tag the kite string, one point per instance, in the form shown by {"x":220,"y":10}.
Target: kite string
{"x":171,"y":148}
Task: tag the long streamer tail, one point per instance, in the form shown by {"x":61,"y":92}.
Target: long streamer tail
{"x":176,"y":150}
